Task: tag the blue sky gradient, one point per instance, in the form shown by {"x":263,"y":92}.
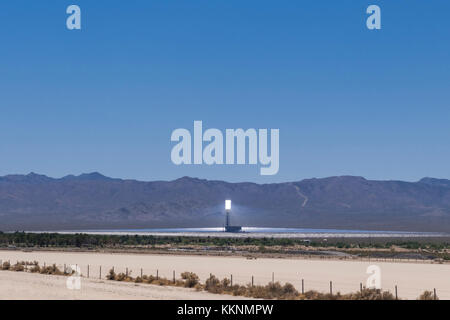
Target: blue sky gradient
{"x":347,"y":100}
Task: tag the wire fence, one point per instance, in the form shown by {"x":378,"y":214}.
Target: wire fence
{"x":301,"y":283}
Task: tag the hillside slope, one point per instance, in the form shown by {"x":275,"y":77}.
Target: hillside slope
{"x":94,"y":201}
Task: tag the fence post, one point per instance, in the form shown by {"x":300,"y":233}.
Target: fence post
{"x":141,"y":273}
{"x":157,"y":274}
{"x":273,"y":277}
{"x":396,"y":294}
{"x":252,"y":281}
{"x":231,"y":280}
{"x":100,"y":273}
{"x":173,"y":276}
{"x":303,"y":286}
{"x":360,"y":287}
{"x":127,"y":272}
{"x":88,"y":272}
{"x":331,"y":287}
{"x":435,"y":297}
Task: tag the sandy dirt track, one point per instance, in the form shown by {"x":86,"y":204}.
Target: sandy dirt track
{"x":411,"y":278}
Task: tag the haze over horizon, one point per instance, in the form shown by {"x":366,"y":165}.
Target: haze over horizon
{"x":100,"y":174}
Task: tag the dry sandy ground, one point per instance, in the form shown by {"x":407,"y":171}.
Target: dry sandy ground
{"x":411,"y":278}
{"x":28,"y":286}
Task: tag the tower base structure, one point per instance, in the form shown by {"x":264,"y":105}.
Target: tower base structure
{"x":233,"y":228}
{"x":229,"y":228}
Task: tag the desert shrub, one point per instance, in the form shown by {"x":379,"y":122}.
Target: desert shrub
{"x":225,"y":283}
{"x":18,"y":267}
{"x":35,"y":269}
{"x":180,"y":283}
{"x":313,"y":295}
{"x":258,"y":292}
{"x":138,"y":280}
{"x":274,"y":290}
{"x":190,"y":279}
{"x":238,"y":290}
{"x":111,"y":275}
{"x":120,"y":277}
{"x":212,"y":285}
{"x":53,"y":269}
{"x":198,"y":287}
{"x":289,"y":289}
{"x":335,"y":296}
{"x":162,"y":282}
{"x":149,"y":279}
{"x":6,"y":265}
{"x":427,"y":295}
{"x":289,"y":292}
{"x":369,"y":294}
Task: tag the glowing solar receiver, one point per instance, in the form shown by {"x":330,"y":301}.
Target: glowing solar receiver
{"x":228,"y":227}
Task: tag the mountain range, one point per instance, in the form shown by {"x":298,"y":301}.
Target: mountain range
{"x":94,"y":201}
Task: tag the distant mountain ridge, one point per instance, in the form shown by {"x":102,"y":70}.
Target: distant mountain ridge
{"x":93,"y":201}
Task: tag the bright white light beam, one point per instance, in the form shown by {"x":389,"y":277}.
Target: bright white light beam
{"x":227,"y":204}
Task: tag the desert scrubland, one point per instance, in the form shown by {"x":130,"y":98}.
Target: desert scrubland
{"x":411,"y":279}
{"x":28,"y":286}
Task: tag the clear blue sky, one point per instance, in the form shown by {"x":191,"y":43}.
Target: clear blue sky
{"x":347,"y":101}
